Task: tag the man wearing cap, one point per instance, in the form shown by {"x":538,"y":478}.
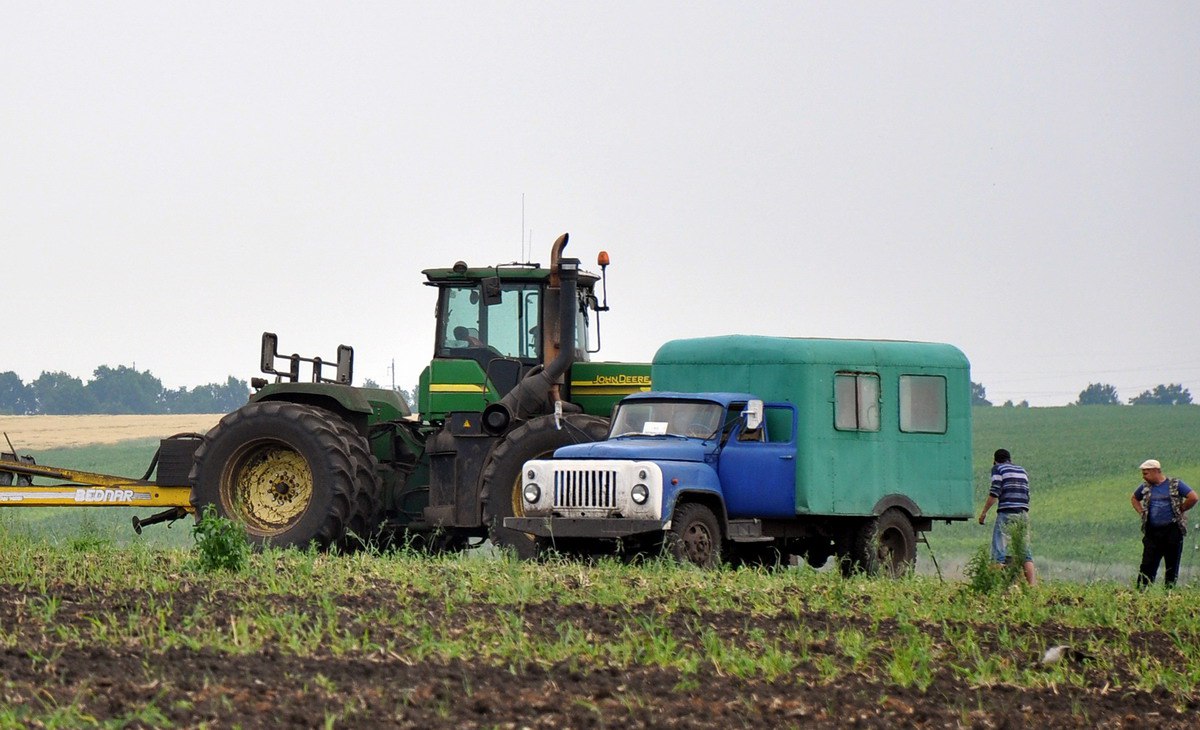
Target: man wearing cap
{"x":1162,"y":503}
{"x":1010,"y":488}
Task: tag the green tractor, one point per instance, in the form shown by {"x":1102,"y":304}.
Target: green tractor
{"x":329,"y":464}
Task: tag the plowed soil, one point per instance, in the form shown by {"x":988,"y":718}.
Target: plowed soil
{"x":42,"y":666}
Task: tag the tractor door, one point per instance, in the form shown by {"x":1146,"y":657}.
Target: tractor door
{"x":487,"y":339}
{"x":758,"y":468}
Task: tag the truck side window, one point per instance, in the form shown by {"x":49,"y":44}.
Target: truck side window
{"x":922,"y":404}
{"x":856,"y":402}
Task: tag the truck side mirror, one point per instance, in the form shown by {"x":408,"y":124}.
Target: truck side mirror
{"x":753,"y":414}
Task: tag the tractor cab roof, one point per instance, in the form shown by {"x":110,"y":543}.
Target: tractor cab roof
{"x":460,"y":273}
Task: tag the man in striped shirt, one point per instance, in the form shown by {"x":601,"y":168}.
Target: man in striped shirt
{"x":1010,"y":488}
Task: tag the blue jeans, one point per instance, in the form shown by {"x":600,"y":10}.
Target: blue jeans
{"x":1000,"y":538}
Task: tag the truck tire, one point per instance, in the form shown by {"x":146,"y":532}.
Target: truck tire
{"x":282,"y":470}
{"x":535,"y":439}
{"x":362,"y":529}
{"x":695,"y":535}
{"x":885,"y":544}
{"x":895,"y":543}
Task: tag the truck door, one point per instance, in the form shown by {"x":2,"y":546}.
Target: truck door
{"x":758,"y":470}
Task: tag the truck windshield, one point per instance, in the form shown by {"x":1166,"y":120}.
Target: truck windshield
{"x":692,"y":419}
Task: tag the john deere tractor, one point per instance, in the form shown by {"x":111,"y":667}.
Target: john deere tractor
{"x":326,"y":463}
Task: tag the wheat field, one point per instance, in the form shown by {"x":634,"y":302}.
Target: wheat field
{"x":32,"y":433}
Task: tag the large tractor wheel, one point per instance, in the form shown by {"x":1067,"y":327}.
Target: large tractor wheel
{"x":536,"y":439}
{"x":695,"y":535}
{"x":362,"y":529}
{"x":284,"y":471}
{"x":887,"y":543}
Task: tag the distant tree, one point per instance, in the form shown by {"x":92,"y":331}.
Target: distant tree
{"x":125,"y":390}
{"x":979,"y":395}
{"x":58,"y":393}
{"x":1163,"y":395}
{"x":211,"y":398}
{"x":409,"y":396}
{"x":1023,"y":404}
{"x":14,"y":394}
{"x":1098,"y":394}
{"x":1008,"y":404}
{"x":369,"y":383}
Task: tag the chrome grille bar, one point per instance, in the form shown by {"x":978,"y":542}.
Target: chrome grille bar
{"x":585,"y":488}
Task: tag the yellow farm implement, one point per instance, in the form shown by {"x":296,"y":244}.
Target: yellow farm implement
{"x":76,"y":488}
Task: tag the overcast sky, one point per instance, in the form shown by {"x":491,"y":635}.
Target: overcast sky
{"x":1020,"y":180}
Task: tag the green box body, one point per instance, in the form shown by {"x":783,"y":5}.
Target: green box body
{"x":838,"y":471}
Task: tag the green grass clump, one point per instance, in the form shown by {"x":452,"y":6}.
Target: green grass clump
{"x":220,"y":543}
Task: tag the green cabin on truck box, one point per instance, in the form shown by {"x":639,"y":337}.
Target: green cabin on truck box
{"x":818,"y":447}
{"x":876,"y":417}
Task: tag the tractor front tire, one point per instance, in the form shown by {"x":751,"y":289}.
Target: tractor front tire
{"x":535,"y":439}
{"x":283,"y":471}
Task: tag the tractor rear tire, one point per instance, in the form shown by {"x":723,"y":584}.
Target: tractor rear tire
{"x":283,"y":471}
{"x":363,"y":528}
{"x":535,"y":439}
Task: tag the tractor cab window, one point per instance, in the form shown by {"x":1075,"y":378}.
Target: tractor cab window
{"x":469,"y":326}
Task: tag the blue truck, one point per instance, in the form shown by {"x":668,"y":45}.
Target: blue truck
{"x":752,"y":449}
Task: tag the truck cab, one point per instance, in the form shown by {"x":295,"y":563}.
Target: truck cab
{"x":730,"y":453}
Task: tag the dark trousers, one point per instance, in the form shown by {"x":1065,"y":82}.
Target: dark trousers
{"x":1160,"y":544}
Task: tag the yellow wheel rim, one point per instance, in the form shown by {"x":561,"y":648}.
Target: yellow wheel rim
{"x":268,"y":485}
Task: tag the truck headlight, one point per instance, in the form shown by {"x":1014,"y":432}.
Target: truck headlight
{"x":639,"y":494}
{"x":532,"y":493}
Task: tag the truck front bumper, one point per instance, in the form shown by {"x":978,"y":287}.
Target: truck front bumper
{"x":599,"y":527}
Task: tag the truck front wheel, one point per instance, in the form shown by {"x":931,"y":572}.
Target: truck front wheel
{"x":695,"y":535}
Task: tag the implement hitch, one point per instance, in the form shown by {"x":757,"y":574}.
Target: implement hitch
{"x":88,"y":489}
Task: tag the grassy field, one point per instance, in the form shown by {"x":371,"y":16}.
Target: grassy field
{"x":102,"y":629}
{"x":1083,"y":467}
{"x":1082,"y":464}
{"x":97,"y":636}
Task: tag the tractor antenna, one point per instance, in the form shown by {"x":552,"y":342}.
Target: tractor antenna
{"x":523,"y":227}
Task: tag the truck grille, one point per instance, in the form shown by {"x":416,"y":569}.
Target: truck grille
{"x":585,"y":488}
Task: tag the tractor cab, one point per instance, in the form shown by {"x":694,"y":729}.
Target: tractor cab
{"x":494,"y":325}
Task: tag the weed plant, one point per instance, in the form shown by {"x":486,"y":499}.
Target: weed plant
{"x":220,"y":543}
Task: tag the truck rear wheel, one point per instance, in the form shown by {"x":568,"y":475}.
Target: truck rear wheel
{"x":284,"y":471}
{"x":695,"y":535}
{"x":885,"y":544}
{"x":536,"y":439}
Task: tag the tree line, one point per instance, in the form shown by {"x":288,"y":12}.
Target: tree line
{"x":1104,"y":394}
{"x":115,"y":390}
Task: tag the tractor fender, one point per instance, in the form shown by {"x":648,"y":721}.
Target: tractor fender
{"x":348,"y":402}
